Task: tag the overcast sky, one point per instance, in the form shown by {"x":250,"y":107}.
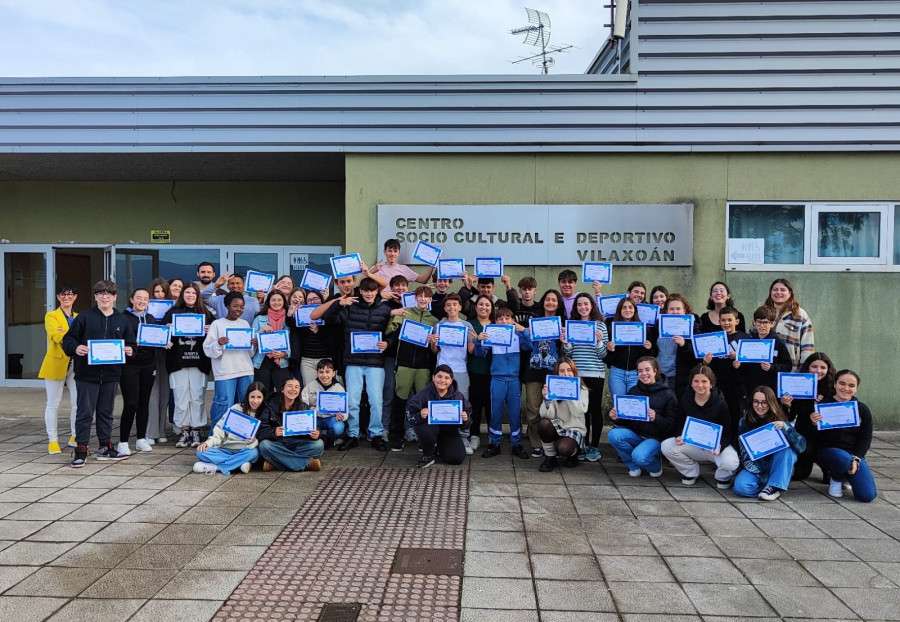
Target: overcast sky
{"x":286,"y":37}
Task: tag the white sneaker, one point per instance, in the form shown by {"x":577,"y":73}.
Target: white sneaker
{"x":474,"y":443}
{"x":836,"y":489}
{"x":245,"y":468}
{"x":205,"y":467}
{"x":657,"y":474}
{"x":688,"y":481}
{"x":162,"y":439}
{"x":123,"y":450}
{"x":72,"y":442}
{"x":150,"y":441}
{"x":142,"y":445}
{"x":634,"y":472}
{"x":468,"y":446}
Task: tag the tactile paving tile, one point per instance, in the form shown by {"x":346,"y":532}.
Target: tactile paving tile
{"x":340,"y":546}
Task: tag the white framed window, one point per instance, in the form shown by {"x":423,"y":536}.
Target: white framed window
{"x":800,"y":235}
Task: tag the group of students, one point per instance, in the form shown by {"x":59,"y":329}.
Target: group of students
{"x":492,"y":381}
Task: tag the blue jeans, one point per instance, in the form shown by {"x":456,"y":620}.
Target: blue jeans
{"x":289,"y":453}
{"x":505,"y":391}
{"x":636,"y":451}
{"x":374,"y":381}
{"x":837,"y":462}
{"x":330,"y":426}
{"x":775,"y":470}
{"x":387,"y":399}
{"x":228,"y":459}
{"x":619,"y":380}
{"x":226,"y":393}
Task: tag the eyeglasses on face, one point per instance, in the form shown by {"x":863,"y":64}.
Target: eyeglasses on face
{"x":67,"y":295}
{"x":760,"y":403}
{"x":104,"y":294}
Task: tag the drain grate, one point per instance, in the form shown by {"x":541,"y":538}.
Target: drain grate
{"x":428,"y":561}
{"x":332,"y":612}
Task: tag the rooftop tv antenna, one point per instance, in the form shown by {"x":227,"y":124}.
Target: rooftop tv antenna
{"x":537,"y":33}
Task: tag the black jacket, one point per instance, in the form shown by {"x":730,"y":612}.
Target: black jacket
{"x":715,"y":410}
{"x":143,"y":356}
{"x":664,"y":403}
{"x":753,"y":373}
{"x":361,"y":317}
{"x":430,"y":393}
{"x":271,"y":416}
{"x":626,"y":357}
{"x":186,"y":352}
{"x":93,"y":324}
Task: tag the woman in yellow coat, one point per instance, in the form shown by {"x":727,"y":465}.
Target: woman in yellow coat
{"x":56,"y":370}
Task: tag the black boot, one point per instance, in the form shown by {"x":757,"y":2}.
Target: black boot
{"x":548,"y":464}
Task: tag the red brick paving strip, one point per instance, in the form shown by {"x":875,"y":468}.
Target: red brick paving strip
{"x":340,"y":545}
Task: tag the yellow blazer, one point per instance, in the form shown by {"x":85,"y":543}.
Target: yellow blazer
{"x":56,"y":363}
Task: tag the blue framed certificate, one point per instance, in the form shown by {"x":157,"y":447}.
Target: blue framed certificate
{"x":153,"y":335}
{"x":415,"y":333}
{"x":240,"y":425}
{"x":301,"y":317}
{"x":331,"y":402}
{"x":408,"y":300}
{"x":632,"y":407}
{"x":450,"y":336}
{"x":798,"y":386}
{"x":596,"y":271}
{"x":315,"y":281}
{"x":608,"y":304}
{"x":365,"y":342}
{"x":755,"y":350}
{"x":239,"y":338}
{"x":763,"y":441}
{"x":499,"y":335}
{"x":106,"y":351}
{"x":671,"y":325}
{"x":581,"y":331}
{"x":629,"y":333}
{"x":543,"y":328}
{"x":450,"y":268}
{"x":838,"y":415}
{"x":647,"y":313}
{"x":566,"y":388}
{"x":488,"y":267}
{"x":274,"y":341}
{"x":258,"y":282}
{"x":445,"y":412}
{"x":346,"y":265}
{"x":158,"y":308}
{"x":710,"y":343}
{"x":298,"y":422}
{"x":427,"y":254}
{"x":700,"y":433}
{"x":188,"y":325}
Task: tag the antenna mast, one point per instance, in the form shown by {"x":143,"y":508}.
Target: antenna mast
{"x":537,"y":33}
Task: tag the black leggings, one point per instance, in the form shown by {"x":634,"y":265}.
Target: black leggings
{"x":480,"y":398}
{"x":271,"y":375}
{"x":593,"y":418}
{"x":565,"y":446}
{"x":136,"y":384}
{"x":445,"y":438}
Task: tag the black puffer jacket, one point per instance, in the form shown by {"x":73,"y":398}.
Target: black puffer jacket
{"x":271,"y":416}
{"x":430,"y":393}
{"x":92,"y":324}
{"x":361,"y":317}
{"x":715,"y":410}
{"x":663,"y":402}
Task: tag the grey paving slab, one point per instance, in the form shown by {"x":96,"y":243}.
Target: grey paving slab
{"x":28,"y":609}
{"x":635,"y":568}
{"x":661,"y":598}
{"x":154,"y":514}
{"x":133,"y":582}
{"x":250,"y":515}
{"x":727,"y":600}
{"x":550,"y":542}
{"x":776,"y":572}
{"x":80,"y":609}
{"x":754,"y":548}
{"x":818,"y":549}
{"x":153,"y":556}
{"x":494,"y":564}
{"x":873,"y":550}
{"x":848,"y":574}
{"x":186,"y":533}
{"x":577,"y":616}
{"x":498,"y":615}
{"x":671,"y":525}
{"x":565,"y":567}
{"x":33,"y":553}
{"x":74,"y":495}
{"x":572,"y":596}
{"x":57,"y":581}
{"x":491,"y":593}
{"x":621,"y":544}
{"x":129,"y":533}
{"x":10,"y":575}
{"x":872,"y":604}
{"x":67,"y":531}
{"x":493,"y":504}
{"x":226,"y":557}
{"x":43,"y":511}
{"x":560,"y":506}
{"x":889,"y":570}
{"x":836,"y":528}
{"x":98,"y":512}
{"x":20,"y":529}
{"x":743,"y":527}
{"x":176,"y":611}
{"x":488,"y":521}
{"x":710,"y":570}
{"x":804,"y":602}
{"x":9,"y":508}
{"x":686,"y":546}
{"x":94,"y":555}
{"x":499,"y":541}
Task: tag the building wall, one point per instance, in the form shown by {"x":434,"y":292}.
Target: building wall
{"x":846,"y":328}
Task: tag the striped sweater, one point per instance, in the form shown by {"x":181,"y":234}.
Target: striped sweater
{"x":797,"y":334}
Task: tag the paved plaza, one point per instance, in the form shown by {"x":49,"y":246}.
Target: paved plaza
{"x":148,"y":540}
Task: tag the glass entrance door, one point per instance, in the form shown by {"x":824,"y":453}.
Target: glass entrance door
{"x":25,"y":301}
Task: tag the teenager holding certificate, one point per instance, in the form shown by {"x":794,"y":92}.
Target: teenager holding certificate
{"x":309,"y":344}
{"x":330,"y":424}
{"x":455,"y":354}
{"x":792,"y":323}
{"x":702,"y":400}
{"x":675,"y":352}
{"x":161,"y":402}
{"x":561,"y":426}
{"x":842,"y":451}
{"x":799,"y":410}
{"x":638,"y":442}
{"x":479,"y":369}
{"x":622,"y":360}
{"x":57,"y":369}
{"x":589,"y":359}
{"x":445,"y":439}
{"x":136,"y":382}
{"x":287,"y":453}
{"x":390,"y":268}
{"x":719,"y":298}
{"x":728,"y":379}
{"x":766,"y":374}
{"x":229,"y":346}
{"x":271,"y":368}
{"x":544,"y":354}
{"x":223,"y":451}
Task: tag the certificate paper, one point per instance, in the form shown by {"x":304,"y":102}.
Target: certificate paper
{"x":365,"y":342}
{"x":106,"y":351}
{"x":153,"y":335}
{"x":596,"y":271}
{"x":276,"y":341}
{"x":315,"y":281}
{"x":450,"y":268}
{"x":838,"y":415}
{"x":488,"y":267}
{"x":331,"y":402}
{"x":239,"y":424}
{"x":415,"y":333}
{"x":450,"y":336}
{"x":563,"y":388}
{"x":629,"y":333}
{"x":676,"y":326}
{"x":701,"y":433}
{"x":579,"y":331}
{"x":545,"y":328}
{"x":710,"y":343}
{"x":299,"y":422}
{"x":187,"y":325}
{"x":763,"y":441}
{"x":427,"y":254}
{"x":346,"y":265}
{"x":755,"y":350}
{"x":445,"y":412}
{"x":632,"y":407}
{"x":798,"y":386}
{"x":499,"y":335}
{"x":608,"y":304}
{"x":647,"y":313}
{"x":259,"y":281}
{"x":239,"y":338}
{"x":301,"y":318}
{"x":158,"y":308}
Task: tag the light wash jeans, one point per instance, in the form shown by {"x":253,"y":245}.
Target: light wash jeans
{"x":291,"y":454}
{"x":374,"y":381}
{"x":619,"y":380}
{"x":226,"y":393}
{"x":54,"y":390}
{"x":228,"y":459}
{"x":330,"y":427}
{"x":776,"y":470}
{"x":636,"y":451}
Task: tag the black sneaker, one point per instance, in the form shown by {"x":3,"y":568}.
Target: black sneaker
{"x":378,"y":444}
{"x":548,"y":464}
{"x":108,"y":453}
{"x":491,"y":451}
{"x":397,"y":444}
{"x":519,"y":452}
{"x":537,"y":452}
{"x":195,"y":438}
{"x":185,"y":439}
{"x":425,"y":462}
{"x":81,"y":452}
{"x":572,"y":461}
{"x":349,"y":444}
{"x":769,"y":493}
